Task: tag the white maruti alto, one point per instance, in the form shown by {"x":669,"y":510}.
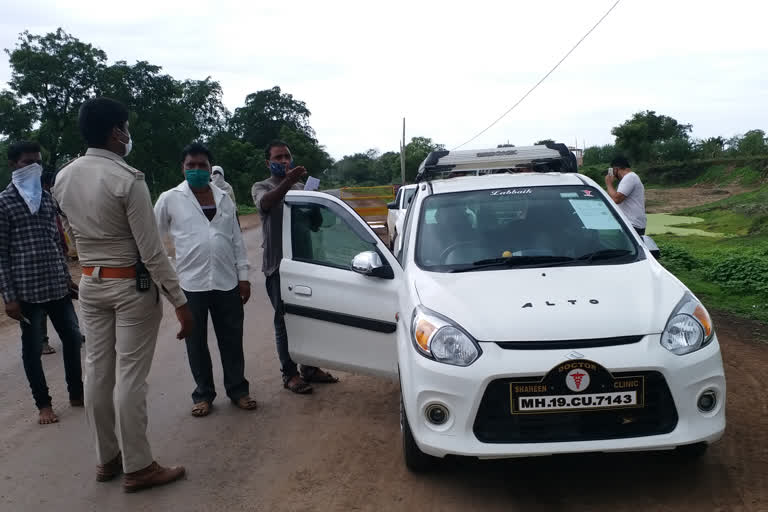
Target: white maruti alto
{"x":523,"y":316}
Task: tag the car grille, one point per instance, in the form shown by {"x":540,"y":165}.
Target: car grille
{"x":494,"y":422}
{"x":566,"y":344}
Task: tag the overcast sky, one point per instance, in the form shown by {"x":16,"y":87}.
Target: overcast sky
{"x":449,"y":67}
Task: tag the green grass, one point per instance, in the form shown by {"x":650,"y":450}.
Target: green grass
{"x":724,"y":175}
{"x":716,"y":297}
{"x":730,"y":272}
{"x":246,"y":209}
{"x":745,"y":171}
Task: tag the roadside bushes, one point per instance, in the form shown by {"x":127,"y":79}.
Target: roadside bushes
{"x":740,"y":272}
{"x":675,"y":258}
{"x":746,"y":273}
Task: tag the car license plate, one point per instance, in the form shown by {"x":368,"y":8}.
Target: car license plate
{"x":575,"y":386}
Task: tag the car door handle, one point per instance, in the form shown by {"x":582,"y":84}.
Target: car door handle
{"x":302,"y":290}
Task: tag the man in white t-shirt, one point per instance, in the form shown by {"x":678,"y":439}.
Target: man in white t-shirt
{"x":629,"y":195}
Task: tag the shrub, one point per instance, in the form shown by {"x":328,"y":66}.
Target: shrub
{"x":747,"y":273}
{"x":676,"y":258}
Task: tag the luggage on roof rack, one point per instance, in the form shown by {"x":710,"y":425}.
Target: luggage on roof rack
{"x":552,"y":157}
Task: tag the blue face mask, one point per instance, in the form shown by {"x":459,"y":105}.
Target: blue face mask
{"x":197,"y":178}
{"x":278,"y":169}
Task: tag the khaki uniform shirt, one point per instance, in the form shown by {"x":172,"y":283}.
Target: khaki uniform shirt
{"x":108,"y":206}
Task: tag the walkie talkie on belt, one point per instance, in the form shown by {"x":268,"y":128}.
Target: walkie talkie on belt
{"x":143,"y":279}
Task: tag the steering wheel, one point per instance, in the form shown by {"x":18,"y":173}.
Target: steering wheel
{"x":448,"y":250}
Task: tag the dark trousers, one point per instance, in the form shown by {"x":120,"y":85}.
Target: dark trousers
{"x":287,"y":365}
{"x":226,"y":310}
{"x":44,"y":327}
{"x":62,"y":315}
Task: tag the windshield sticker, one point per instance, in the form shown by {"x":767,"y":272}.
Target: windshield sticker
{"x":512,"y":192}
{"x":567,"y":195}
{"x":587,"y":193}
{"x":594,"y":214}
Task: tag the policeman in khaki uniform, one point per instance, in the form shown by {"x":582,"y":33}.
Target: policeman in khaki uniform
{"x":108,"y":205}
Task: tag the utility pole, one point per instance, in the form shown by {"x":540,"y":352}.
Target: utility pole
{"x":402,"y":157}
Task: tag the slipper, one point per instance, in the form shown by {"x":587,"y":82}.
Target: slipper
{"x":47,"y":349}
{"x":299,"y":386}
{"x":201,"y":409}
{"x":318,"y":375}
{"x":247,"y":403}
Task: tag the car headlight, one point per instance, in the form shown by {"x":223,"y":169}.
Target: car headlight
{"x":436,"y":337}
{"x":689,"y":327}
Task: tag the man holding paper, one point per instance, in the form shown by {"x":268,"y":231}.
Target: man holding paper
{"x":268,"y":197}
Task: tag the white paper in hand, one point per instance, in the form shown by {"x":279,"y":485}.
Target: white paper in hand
{"x":312,"y":184}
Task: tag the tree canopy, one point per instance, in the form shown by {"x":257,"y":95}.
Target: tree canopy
{"x":650,"y":138}
{"x":53,"y":74}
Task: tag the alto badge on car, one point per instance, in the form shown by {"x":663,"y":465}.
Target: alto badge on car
{"x":522,"y":314}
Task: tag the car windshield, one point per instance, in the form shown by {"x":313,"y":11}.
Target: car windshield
{"x":520,"y":227}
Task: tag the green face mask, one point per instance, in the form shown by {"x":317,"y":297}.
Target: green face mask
{"x":197,"y":178}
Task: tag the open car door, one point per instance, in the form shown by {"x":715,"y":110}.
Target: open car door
{"x":339,"y":285}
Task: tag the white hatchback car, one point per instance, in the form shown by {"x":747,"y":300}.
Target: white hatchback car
{"x":396,"y":214}
{"x":524,"y":316}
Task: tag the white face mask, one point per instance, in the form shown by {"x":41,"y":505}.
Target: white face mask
{"x":128,"y":145}
{"x":27,"y":182}
{"x":218,"y":180}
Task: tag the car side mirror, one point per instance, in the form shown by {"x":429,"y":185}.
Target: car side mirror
{"x":651,"y":245}
{"x":369,"y":263}
{"x":392,"y":205}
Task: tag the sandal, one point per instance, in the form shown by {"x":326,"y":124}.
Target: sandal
{"x":247,"y":403}
{"x":299,"y":386}
{"x":312,"y":374}
{"x":201,"y":409}
{"x":48,"y":349}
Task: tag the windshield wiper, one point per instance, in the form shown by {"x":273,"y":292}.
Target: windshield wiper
{"x":517,"y":262}
{"x":604,"y":254}
{"x":543,"y":261}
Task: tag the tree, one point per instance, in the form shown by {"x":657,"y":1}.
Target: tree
{"x":712,"y":147}
{"x":358,"y":168}
{"x":595,"y":155}
{"x":675,"y":149}
{"x":266,"y":112}
{"x":544,"y":142}
{"x":242,"y":162}
{"x":305,"y":150}
{"x":15,"y":118}
{"x":52,"y":75}
{"x":203,"y":100}
{"x":753,"y":143}
{"x":636,"y":137}
{"x":415,"y":153}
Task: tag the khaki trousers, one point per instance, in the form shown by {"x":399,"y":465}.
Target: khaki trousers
{"x":121,"y":324}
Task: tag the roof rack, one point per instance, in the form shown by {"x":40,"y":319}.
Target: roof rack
{"x":550,"y":157}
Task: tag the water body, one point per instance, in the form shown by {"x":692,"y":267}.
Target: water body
{"x":662,"y":223}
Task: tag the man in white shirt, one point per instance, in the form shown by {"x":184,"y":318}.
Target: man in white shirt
{"x":212,"y":264}
{"x":630,"y":195}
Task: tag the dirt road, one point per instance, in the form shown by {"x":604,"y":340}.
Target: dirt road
{"x":673,"y":199}
{"x":339,"y":449}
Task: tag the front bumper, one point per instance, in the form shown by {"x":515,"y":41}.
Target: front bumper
{"x":460,"y":390}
